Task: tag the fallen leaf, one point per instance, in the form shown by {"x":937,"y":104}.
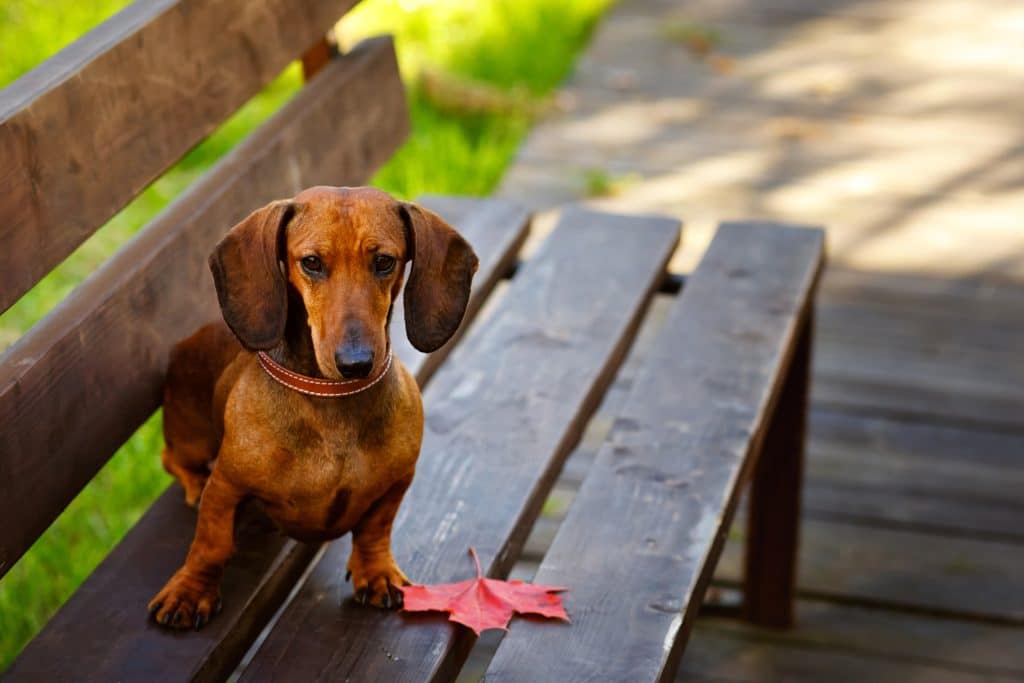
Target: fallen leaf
{"x":484,"y":603}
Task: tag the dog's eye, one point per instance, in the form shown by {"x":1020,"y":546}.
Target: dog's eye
{"x":383,"y":263}
{"x":312,"y":264}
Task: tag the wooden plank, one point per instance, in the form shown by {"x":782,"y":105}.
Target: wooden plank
{"x":899,"y":505}
{"x":581,"y":459}
{"x":966,"y":373}
{"x":921,"y":349}
{"x":91,"y":127}
{"x":954,"y":332}
{"x":923,"y":295}
{"x":834,"y":642}
{"x":909,"y":570}
{"x":472,"y":216}
{"x":500,"y":420}
{"x":640,"y":541}
{"x":916,"y":388}
{"x":81,"y":381}
{"x":917,"y":475}
{"x":775,"y":496}
{"x":266,"y":565}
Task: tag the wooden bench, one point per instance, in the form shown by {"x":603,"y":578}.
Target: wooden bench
{"x":720,"y":402}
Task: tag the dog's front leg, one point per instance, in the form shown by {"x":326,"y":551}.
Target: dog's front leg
{"x":375,"y":576}
{"x":192,"y":596}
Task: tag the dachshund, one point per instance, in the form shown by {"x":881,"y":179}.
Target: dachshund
{"x":295,"y":399}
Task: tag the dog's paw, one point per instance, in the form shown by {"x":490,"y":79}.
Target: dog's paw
{"x":377,"y":583}
{"x":185,"y":603}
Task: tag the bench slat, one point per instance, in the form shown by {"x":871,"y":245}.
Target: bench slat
{"x":82,"y":380}
{"x":91,"y":127}
{"x":643,"y":535}
{"x":500,"y":419}
{"x":484,"y":213}
{"x":105,"y":619}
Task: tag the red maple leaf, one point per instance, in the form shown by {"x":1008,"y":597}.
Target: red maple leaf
{"x":484,"y":603}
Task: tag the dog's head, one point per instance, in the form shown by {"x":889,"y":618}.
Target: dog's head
{"x":341,"y":252}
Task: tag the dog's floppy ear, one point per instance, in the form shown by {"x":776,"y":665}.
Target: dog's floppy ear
{"x":250,"y":284}
{"x":443,"y":264}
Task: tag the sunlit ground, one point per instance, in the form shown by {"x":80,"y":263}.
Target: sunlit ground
{"x":896,"y":125}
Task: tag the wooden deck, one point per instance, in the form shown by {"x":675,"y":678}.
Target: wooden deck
{"x":895,"y":125}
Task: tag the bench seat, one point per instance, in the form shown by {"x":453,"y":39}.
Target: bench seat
{"x":721,"y":402}
{"x":643,"y":535}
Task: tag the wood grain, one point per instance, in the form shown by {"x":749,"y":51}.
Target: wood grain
{"x":834,"y":642}
{"x":472,"y":217}
{"x":902,"y":569}
{"x":91,"y":127}
{"x":775,"y":495}
{"x":81,"y":381}
{"x":933,"y":478}
{"x":500,"y":419}
{"x":922,"y":349}
{"x":265,"y":566}
{"x":970,"y":392}
{"x":642,"y":537}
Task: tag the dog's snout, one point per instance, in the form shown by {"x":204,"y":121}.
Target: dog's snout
{"x":354,"y":361}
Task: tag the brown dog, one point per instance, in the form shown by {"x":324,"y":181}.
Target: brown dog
{"x":299,"y":404}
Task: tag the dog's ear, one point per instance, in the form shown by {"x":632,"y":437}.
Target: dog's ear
{"x":251,"y":286}
{"x":443,"y":265}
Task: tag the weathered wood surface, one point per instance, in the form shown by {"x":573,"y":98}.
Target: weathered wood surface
{"x":641,"y":539}
{"x":776,"y":493}
{"x":976,"y":394}
{"x":902,"y":569}
{"x":91,"y":127}
{"x":924,"y":476}
{"x":266,"y":564}
{"x":842,"y":643}
{"x":922,"y":349}
{"x":943,"y":324}
{"x":81,"y":381}
{"x":500,"y":420}
{"x":472,"y":216}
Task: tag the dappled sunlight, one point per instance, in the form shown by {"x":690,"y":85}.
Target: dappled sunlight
{"x":629,"y":124}
{"x":893,"y":124}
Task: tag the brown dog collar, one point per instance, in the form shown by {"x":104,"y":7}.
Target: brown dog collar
{"x":313,"y":386}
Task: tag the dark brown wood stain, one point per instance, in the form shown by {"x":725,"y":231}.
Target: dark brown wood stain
{"x":642,"y":537}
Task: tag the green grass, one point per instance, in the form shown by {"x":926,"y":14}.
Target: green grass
{"x":520,"y":47}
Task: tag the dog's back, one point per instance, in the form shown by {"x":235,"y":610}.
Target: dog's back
{"x":192,"y":419}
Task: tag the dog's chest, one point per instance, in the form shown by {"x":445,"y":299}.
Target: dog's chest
{"x":324,"y":481}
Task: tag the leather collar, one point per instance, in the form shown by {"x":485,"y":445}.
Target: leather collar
{"x":314,"y":386}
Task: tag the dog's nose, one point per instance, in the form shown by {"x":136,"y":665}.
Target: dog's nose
{"x":354,"y":362}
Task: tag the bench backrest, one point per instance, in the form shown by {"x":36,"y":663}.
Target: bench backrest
{"x":86,"y":132}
